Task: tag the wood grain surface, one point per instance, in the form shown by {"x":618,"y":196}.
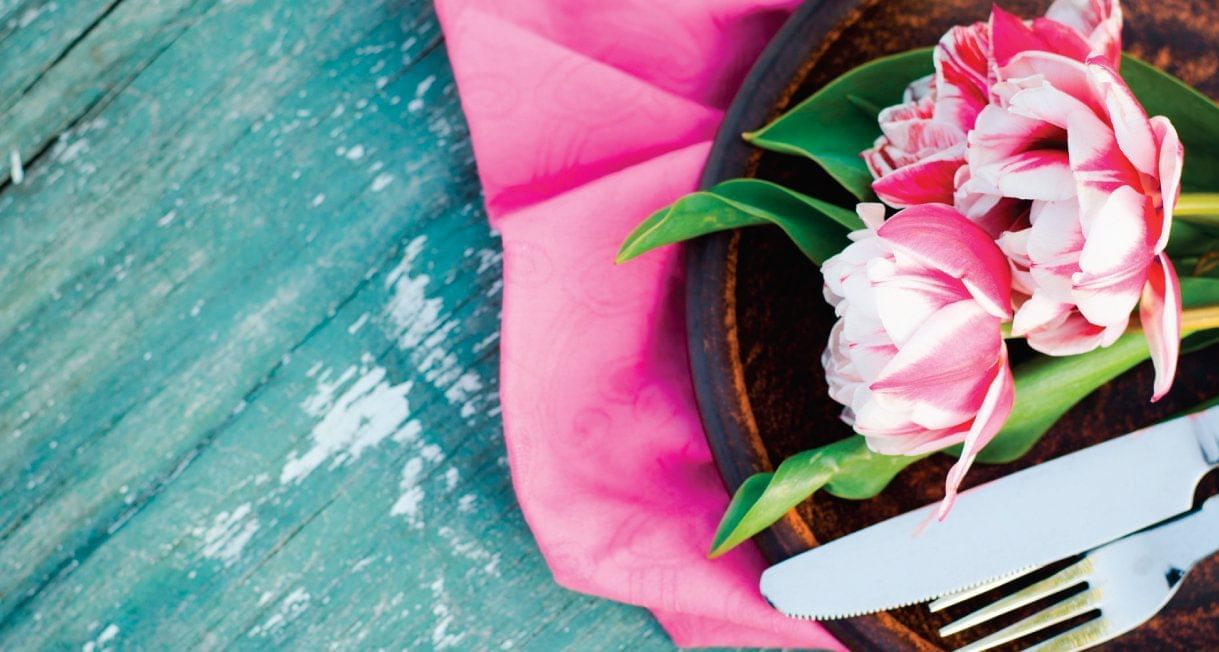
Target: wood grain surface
{"x":248,"y":341}
{"x":758,"y":322}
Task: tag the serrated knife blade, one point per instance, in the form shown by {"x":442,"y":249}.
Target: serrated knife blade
{"x":1039,"y":515}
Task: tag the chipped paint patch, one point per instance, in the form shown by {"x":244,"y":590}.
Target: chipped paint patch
{"x":103,"y":640}
{"x":16,"y":170}
{"x":381,"y":181}
{"x":409,"y":502}
{"x":359,"y":408}
{"x":413,"y":319}
{"x":228,"y":535}
{"x":357,"y":324}
{"x":470,"y":550}
{"x":441,"y":637}
{"x":290,"y":608}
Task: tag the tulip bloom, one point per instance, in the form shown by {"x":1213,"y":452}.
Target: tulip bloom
{"x":917,"y":355}
{"x":1091,"y":182}
{"x":920,"y":156}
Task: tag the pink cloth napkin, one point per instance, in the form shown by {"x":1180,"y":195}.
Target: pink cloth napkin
{"x":585,"y":117}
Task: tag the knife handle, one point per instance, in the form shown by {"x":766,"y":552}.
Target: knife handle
{"x":1187,"y":540}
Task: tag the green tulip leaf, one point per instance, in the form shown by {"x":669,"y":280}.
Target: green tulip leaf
{"x":846,"y":468}
{"x":818,"y":228}
{"x":838,"y":122}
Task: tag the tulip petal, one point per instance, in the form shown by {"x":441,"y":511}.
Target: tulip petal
{"x":1098,"y":165}
{"x":1043,"y":174}
{"x":929,"y":181}
{"x":915,"y":443}
{"x":1117,"y":240}
{"x":840,"y":272}
{"x":1061,"y":39}
{"x":913,"y":129}
{"x":1130,"y":123}
{"x":1010,"y":36}
{"x":1067,"y":74}
{"x":994,"y":213}
{"x":918,"y":89}
{"x":1000,"y":134}
{"x":907,"y":294}
{"x":942,"y":238}
{"x":1039,"y":312}
{"x":1073,"y":336}
{"x":996,"y":406}
{"x":871,"y":213}
{"x":1054,"y":242}
{"x":940,"y":372}
{"x":1114,"y":259}
{"x":963,"y":69}
{"x":1160,"y":313}
{"x":1100,"y":21}
{"x":1172,"y":156}
{"x":1046,"y":103}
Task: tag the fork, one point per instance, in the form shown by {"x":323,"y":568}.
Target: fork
{"x":1128,"y":581}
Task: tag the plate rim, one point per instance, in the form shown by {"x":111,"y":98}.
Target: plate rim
{"x":710,"y":265}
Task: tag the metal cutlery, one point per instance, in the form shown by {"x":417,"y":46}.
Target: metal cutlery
{"x":1127,"y":582}
{"x":1025,"y":520}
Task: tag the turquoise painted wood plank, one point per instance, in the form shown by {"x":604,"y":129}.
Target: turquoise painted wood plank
{"x":103,"y":54}
{"x":248,"y":336}
{"x":34,"y":34}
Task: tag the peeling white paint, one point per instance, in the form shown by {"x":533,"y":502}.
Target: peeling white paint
{"x":441,"y":637}
{"x":289,"y":609}
{"x":411,"y":499}
{"x":472,"y":551}
{"x":357,"y":324}
{"x":414,"y":320}
{"x":228,"y":534}
{"x":381,"y":181}
{"x":368,"y":410}
{"x":421,"y":89}
{"x":103,"y":640}
{"x":16,"y":170}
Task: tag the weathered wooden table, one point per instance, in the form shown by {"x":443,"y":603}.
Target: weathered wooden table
{"x":248,"y":340}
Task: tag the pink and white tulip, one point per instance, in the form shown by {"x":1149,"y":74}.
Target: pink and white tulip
{"x":917,"y":355}
{"x":922,"y":142}
{"x":1077,"y":29}
{"x":1088,"y":183}
{"x":919,"y":157}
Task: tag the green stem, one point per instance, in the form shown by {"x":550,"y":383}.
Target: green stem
{"x":1199,"y":319}
{"x":1198,"y":208}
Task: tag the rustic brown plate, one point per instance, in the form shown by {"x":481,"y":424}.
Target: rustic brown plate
{"x":757,"y":322}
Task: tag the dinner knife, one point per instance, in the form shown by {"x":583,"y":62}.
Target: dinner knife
{"x":1041,"y":514}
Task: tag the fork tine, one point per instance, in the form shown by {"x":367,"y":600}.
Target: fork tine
{"x":1067,"y":577}
{"x":967,"y":594}
{"x":1093,"y":632}
{"x":1052,"y":615}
